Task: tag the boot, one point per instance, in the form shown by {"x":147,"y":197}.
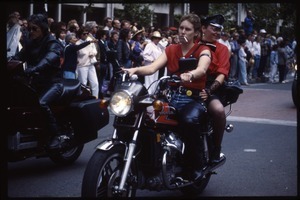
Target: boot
{"x":55,"y":141}
{"x":54,"y":132}
{"x":52,"y":94}
{"x":216,"y":156}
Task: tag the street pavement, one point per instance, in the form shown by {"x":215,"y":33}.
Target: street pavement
{"x":261,"y":154}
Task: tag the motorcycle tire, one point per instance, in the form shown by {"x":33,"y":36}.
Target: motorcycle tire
{"x":196,"y":188}
{"x":294,"y":93}
{"x":66,"y":157}
{"x":103,"y":173}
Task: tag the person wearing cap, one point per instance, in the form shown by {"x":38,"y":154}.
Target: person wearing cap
{"x":151,"y":52}
{"x":217,"y":73}
{"x":42,"y":54}
{"x":264,"y":55}
{"x":137,"y":47}
{"x":189,"y":105}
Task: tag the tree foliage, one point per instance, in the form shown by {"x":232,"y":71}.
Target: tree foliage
{"x":228,"y":10}
{"x":137,"y":13}
{"x":267,"y":16}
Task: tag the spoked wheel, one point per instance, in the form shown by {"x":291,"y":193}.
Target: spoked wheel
{"x":103,"y":173}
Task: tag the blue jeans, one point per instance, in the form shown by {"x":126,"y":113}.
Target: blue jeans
{"x":69,"y":75}
{"x":190,"y":110}
{"x":242,"y":72}
{"x":256,"y":66}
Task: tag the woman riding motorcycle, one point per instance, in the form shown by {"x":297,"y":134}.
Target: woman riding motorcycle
{"x":41,"y":52}
{"x":186,"y":100}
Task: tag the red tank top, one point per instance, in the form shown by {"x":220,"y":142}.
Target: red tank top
{"x":174,"y":53}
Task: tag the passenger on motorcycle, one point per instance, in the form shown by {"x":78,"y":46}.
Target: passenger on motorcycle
{"x":186,"y":100}
{"x":41,"y":52}
{"x":216,"y":75}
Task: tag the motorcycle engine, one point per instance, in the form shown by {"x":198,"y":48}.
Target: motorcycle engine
{"x":172,"y":157}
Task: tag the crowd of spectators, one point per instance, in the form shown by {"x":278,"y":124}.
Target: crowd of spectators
{"x":255,"y":56}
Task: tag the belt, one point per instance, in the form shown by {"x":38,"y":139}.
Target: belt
{"x":188,"y":92}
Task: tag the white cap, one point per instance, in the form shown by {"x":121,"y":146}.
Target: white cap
{"x":279,"y":39}
{"x":263,"y":31}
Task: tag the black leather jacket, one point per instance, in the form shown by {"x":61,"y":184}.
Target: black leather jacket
{"x":44,"y":56}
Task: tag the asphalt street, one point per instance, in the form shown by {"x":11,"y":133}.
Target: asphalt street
{"x":261,"y":155}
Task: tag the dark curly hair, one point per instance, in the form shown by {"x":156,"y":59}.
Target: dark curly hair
{"x":124,"y":33}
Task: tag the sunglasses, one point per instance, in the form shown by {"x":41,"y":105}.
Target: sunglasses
{"x":33,"y":28}
{"x":85,"y":33}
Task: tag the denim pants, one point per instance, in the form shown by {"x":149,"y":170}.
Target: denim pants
{"x":69,"y":75}
{"x":256,"y":66}
{"x":190,"y":110}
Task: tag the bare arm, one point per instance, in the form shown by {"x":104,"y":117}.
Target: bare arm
{"x":200,"y":71}
{"x":220,"y":78}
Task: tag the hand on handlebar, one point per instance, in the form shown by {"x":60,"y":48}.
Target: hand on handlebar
{"x":129,"y":71}
{"x":187,"y":77}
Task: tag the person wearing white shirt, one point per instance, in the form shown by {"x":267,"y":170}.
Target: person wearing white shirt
{"x":256,"y":53}
{"x":86,"y":58}
{"x":242,"y":62}
{"x":250,"y":55}
{"x":225,"y":40}
{"x":151,"y":52}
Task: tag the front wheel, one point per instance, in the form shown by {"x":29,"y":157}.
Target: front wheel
{"x":102,"y":175}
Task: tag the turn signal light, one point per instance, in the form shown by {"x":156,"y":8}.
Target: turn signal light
{"x":157,"y":105}
{"x":104,"y":103}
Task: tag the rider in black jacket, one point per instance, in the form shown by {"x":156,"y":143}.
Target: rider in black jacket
{"x":41,"y":52}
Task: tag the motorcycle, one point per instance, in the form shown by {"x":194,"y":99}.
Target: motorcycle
{"x":146,"y":150}
{"x":79,"y":116}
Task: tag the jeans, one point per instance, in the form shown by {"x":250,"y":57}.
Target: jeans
{"x":190,"y":110}
{"x":242,"y":72}
{"x":69,"y":75}
{"x":256,"y":66}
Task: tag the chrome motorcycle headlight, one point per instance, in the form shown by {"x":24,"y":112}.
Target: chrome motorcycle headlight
{"x":121,"y":103}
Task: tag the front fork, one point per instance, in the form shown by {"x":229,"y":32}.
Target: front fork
{"x":128,"y":157}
